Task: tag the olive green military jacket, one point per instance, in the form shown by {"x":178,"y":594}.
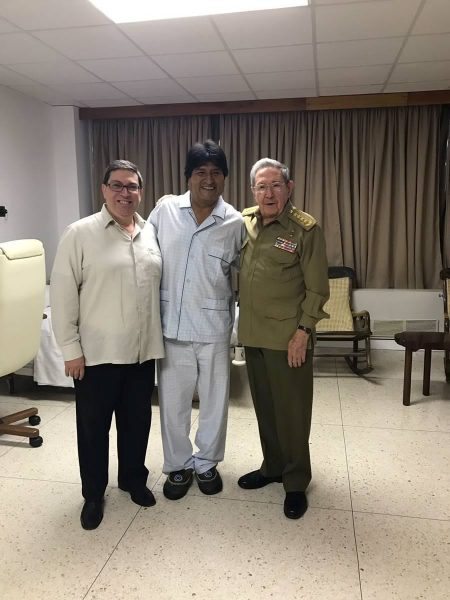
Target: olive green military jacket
{"x":283,"y":280}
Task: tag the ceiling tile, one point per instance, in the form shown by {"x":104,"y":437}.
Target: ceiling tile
{"x":355,"y":54}
{"x":174,"y":36}
{"x":6,"y":27}
{"x":47,"y":95}
{"x":90,"y":91}
{"x":434,"y":18}
{"x":124,"y":69}
{"x":282,"y":58}
{"x":20,"y":47}
{"x":364,"y":20}
{"x":285,"y":26}
{"x":48,"y":14}
{"x":422,"y":71}
{"x":288,"y":80}
{"x":152,"y":87}
{"x":295,"y":93}
{"x":105,"y":41}
{"x":225,"y":97}
{"x":55,"y":72}
{"x":418,"y":86}
{"x":197,"y":64}
{"x":167,"y":99}
{"x":419,"y":48}
{"x":8,"y":77}
{"x":370,"y":75}
{"x":214,"y":85}
{"x":350,"y":90}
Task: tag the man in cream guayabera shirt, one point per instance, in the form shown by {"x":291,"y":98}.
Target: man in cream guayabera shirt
{"x":200,"y":237}
{"x":105,"y":308}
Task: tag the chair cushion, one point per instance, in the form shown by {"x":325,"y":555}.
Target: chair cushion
{"x":338,"y":307}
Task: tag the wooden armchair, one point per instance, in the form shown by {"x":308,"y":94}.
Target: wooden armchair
{"x":345,"y":325}
{"x":22,"y":290}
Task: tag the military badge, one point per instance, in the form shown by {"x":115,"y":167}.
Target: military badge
{"x":287,"y":245}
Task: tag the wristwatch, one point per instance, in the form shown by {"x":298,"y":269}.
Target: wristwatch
{"x":307,"y":330}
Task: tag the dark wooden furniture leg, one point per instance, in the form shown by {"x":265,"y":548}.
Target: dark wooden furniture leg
{"x":426,"y":372}
{"x":407,"y":377}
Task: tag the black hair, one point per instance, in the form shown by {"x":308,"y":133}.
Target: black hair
{"x":124,"y":165}
{"x":200,"y":154}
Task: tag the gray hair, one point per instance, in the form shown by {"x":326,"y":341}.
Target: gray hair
{"x":269,"y":162}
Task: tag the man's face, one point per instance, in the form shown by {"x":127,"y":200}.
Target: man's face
{"x":122,"y":205}
{"x":206,"y":185}
{"x":271,"y":192}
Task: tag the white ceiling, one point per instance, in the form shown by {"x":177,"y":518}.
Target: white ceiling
{"x":67,"y":52}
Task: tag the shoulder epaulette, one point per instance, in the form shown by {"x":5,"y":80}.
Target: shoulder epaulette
{"x":302,"y":218}
{"x":251,"y":210}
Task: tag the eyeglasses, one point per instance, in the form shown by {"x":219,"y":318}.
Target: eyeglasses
{"x":263,"y":188}
{"x":131,"y":188}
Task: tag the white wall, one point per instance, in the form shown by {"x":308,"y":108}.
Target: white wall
{"x":44,"y":174}
{"x":26,"y":170}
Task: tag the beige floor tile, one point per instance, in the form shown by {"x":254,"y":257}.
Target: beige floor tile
{"x":55,"y":460}
{"x":399,"y":472}
{"x":402,"y":558}
{"x":46,"y":412}
{"x":329,"y":488}
{"x":326,"y":403}
{"x":45,"y":552}
{"x":379,"y":403}
{"x":208,"y":548}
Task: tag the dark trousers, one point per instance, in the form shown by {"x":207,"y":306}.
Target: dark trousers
{"x":125,"y":390}
{"x":282,"y":397}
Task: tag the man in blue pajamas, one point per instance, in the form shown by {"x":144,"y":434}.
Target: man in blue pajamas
{"x":200,"y":236}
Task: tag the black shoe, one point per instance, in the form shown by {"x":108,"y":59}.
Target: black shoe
{"x":92,"y":514}
{"x":142,"y":496}
{"x":209,"y":482}
{"x":177,"y":484}
{"x":255,"y":480}
{"x":295,"y":505}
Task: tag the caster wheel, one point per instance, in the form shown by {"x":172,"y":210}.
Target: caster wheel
{"x":36,"y":442}
{"x":34,"y":420}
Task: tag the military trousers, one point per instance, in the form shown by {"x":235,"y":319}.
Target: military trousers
{"x":282,"y":397}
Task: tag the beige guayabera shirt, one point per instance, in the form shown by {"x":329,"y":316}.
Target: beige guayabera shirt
{"x":104,"y":292}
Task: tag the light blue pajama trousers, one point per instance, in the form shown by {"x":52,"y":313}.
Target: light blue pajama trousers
{"x":185,"y":366}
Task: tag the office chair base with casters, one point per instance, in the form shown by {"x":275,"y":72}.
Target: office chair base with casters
{"x":8,"y":427}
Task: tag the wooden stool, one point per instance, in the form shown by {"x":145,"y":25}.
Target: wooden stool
{"x":420,"y":340}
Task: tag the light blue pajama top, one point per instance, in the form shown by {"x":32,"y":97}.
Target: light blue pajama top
{"x":197,"y":303}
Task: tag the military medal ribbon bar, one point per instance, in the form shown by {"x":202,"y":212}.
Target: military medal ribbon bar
{"x":287,"y":245}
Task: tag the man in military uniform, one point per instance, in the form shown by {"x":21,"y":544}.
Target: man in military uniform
{"x":283,"y":287}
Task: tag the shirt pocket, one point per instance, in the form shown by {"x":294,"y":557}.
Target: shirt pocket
{"x":281,"y":265}
{"x":219,"y":263}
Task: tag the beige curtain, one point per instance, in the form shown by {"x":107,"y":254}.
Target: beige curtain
{"x":157,"y":146}
{"x":370,"y":177}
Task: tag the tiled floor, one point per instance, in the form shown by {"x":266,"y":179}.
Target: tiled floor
{"x":378,"y":526}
